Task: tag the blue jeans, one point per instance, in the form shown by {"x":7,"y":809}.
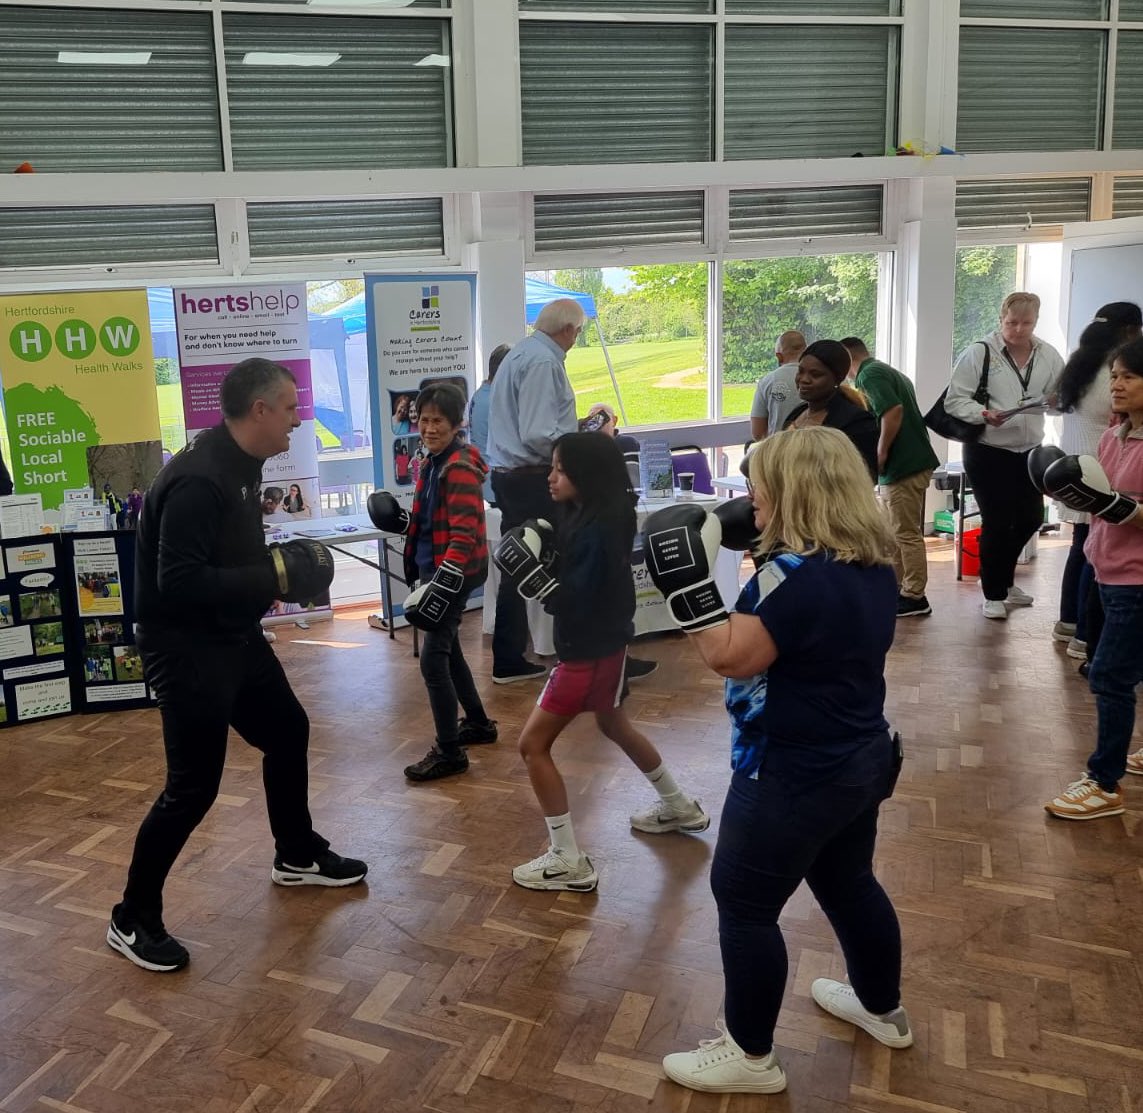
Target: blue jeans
{"x":1115,"y":670}
{"x":776,"y":831}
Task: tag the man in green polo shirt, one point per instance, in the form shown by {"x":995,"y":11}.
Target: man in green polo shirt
{"x":905,"y":460}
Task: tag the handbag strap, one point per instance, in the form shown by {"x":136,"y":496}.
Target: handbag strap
{"x":981,"y":394}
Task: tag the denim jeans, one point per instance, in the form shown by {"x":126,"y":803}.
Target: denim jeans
{"x":776,"y":831}
{"x":448,"y":679}
{"x":1115,"y":670}
{"x":1076,"y":581}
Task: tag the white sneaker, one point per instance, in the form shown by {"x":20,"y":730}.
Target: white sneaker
{"x":1019,"y":598}
{"x":1084,"y":799}
{"x":840,"y":1000}
{"x":1076,"y":649}
{"x":1063,"y":631}
{"x":1135,"y":763}
{"x":995,"y":608}
{"x":553,"y":871}
{"x":663,"y":818}
{"x":720,"y":1066}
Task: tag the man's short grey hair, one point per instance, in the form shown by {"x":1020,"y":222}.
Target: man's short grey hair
{"x":248,"y":381}
{"x":791,"y":343}
{"x":558,"y":315}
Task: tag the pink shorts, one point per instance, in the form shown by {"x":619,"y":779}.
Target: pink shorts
{"x":576,"y":686}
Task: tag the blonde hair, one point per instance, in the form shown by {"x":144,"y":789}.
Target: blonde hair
{"x":1018,"y":301}
{"x":821,"y":497}
{"x":855,"y":394}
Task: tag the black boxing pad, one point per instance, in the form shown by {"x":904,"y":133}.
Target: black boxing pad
{"x":304,"y":569}
{"x":738,"y":529}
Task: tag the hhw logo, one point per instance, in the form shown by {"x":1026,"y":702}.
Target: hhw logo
{"x":76,"y":339}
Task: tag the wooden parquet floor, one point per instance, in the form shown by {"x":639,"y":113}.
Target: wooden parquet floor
{"x":441,"y":986}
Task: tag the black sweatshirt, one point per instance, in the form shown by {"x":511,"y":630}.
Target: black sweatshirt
{"x":201,"y":569}
{"x":594,"y":605}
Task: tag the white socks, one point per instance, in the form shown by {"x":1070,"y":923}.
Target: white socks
{"x":669,"y":792}
{"x":562,"y":836}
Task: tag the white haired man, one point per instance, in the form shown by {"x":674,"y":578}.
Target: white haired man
{"x":531,"y":407}
{"x":776,"y":397}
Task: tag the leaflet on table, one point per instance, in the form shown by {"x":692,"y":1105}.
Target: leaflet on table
{"x":21,"y":515}
{"x":219,"y":326}
{"x":656,"y":474}
{"x":420,"y":330}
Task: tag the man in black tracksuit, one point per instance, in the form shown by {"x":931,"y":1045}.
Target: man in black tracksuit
{"x":203,"y":579}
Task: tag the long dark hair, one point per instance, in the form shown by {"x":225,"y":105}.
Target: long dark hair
{"x":1096,"y":343}
{"x":595,"y":466}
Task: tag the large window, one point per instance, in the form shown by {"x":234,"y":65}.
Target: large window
{"x":653,"y":325}
{"x":824,"y":296}
{"x":985,"y":276}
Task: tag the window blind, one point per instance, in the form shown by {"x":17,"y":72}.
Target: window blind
{"x":1127,"y":199}
{"x":1127,"y":126}
{"x":380,"y":102}
{"x":1034,"y":9}
{"x":378,"y":5}
{"x":669,"y":7}
{"x":91,"y":90}
{"x":609,"y":92}
{"x":398,"y":226}
{"x":851,"y":8}
{"x":765,"y":214}
{"x":1029,"y":89}
{"x":1018,"y":204}
{"x":107,"y":235}
{"x":1131,"y":10}
{"x":810,"y":91}
{"x":569,"y":221}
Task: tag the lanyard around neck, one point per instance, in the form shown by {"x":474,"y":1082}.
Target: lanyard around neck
{"x":1026,"y":378}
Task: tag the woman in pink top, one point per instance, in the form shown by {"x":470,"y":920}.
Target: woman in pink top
{"x":1111,"y":489}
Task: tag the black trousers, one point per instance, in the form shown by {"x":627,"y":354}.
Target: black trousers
{"x":520,"y":495}
{"x":448,"y":679}
{"x":1011,"y":510}
{"x":203,"y":689}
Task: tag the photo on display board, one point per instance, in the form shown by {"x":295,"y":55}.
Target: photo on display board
{"x":3,"y":712}
{"x":97,"y":581}
{"x":6,"y":617}
{"x":40,"y":604}
{"x":102,"y":631}
{"x":403,"y":412}
{"x":402,"y":462}
{"x":48,"y":639}
{"x":97,"y":664}
{"x":128,"y":663}
{"x":290,"y":500}
{"x":456,"y":380}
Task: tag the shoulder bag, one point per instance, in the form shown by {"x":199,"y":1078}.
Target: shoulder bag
{"x":953,"y":428}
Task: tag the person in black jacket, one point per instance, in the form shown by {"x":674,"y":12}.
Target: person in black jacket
{"x":582,"y":574}
{"x":828,"y":400}
{"x":203,"y":578}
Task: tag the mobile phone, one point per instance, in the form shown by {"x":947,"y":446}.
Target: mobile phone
{"x":594,"y":423}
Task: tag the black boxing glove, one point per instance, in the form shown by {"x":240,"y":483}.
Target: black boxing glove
{"x":1080,"y":482}
{"x":303,"y":569}
{"x":1040,"y":459}
{"x":737,"y":518}
{"x":428,"y":604}
{"x":386,"y":513}
{"x":526,"y":555}
{"x":680,"y":544}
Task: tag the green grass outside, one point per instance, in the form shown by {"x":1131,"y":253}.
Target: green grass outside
{"x":661,"y":382}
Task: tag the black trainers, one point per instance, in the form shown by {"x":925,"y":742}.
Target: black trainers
{"x":148,"y":946}
{"x":908,"y":607}
{"x":637,"y":668}
{"x":477,"y":734}
{"x":435,"y":765}
{"x":327,"y":868}
{"x":526,"y":671}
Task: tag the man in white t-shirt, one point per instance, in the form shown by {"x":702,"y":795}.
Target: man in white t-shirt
{"x":775,"y":396}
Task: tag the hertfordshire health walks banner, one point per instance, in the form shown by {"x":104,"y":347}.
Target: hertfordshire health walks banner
{"x":420,"y":331}
{"x":220,"y":326}
{"x":79,"y":378}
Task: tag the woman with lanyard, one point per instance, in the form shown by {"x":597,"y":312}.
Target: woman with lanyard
{"x":1022,"y":372}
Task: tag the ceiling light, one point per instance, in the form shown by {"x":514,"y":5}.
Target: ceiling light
{"x":434,"y":60}
{"x":279,"y":58}
{"x":104,"y":58}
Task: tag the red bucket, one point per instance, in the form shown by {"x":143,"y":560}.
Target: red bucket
{"x":970,"y":552}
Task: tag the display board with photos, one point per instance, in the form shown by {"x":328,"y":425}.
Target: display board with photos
{"x":38,"y":654}
{"x":109,"y":672}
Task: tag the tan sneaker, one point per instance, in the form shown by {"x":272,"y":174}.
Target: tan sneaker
{"x":1084,"y":799}
{"x":1135,"y":763}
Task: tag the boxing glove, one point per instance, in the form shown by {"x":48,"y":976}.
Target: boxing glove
{"x":386,"y":513}
{"x":744,"y":463}
{"x":736,"y":516}
{"x":1039,"y":460}
{"x":680,"y":544}
{"x":426,"y":605}
{"x":526,"y":555}
{"x":303,"y":569}
{"x":1079,"y":482}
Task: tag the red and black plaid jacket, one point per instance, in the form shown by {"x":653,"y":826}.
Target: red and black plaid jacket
{"x":458,"y":518}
